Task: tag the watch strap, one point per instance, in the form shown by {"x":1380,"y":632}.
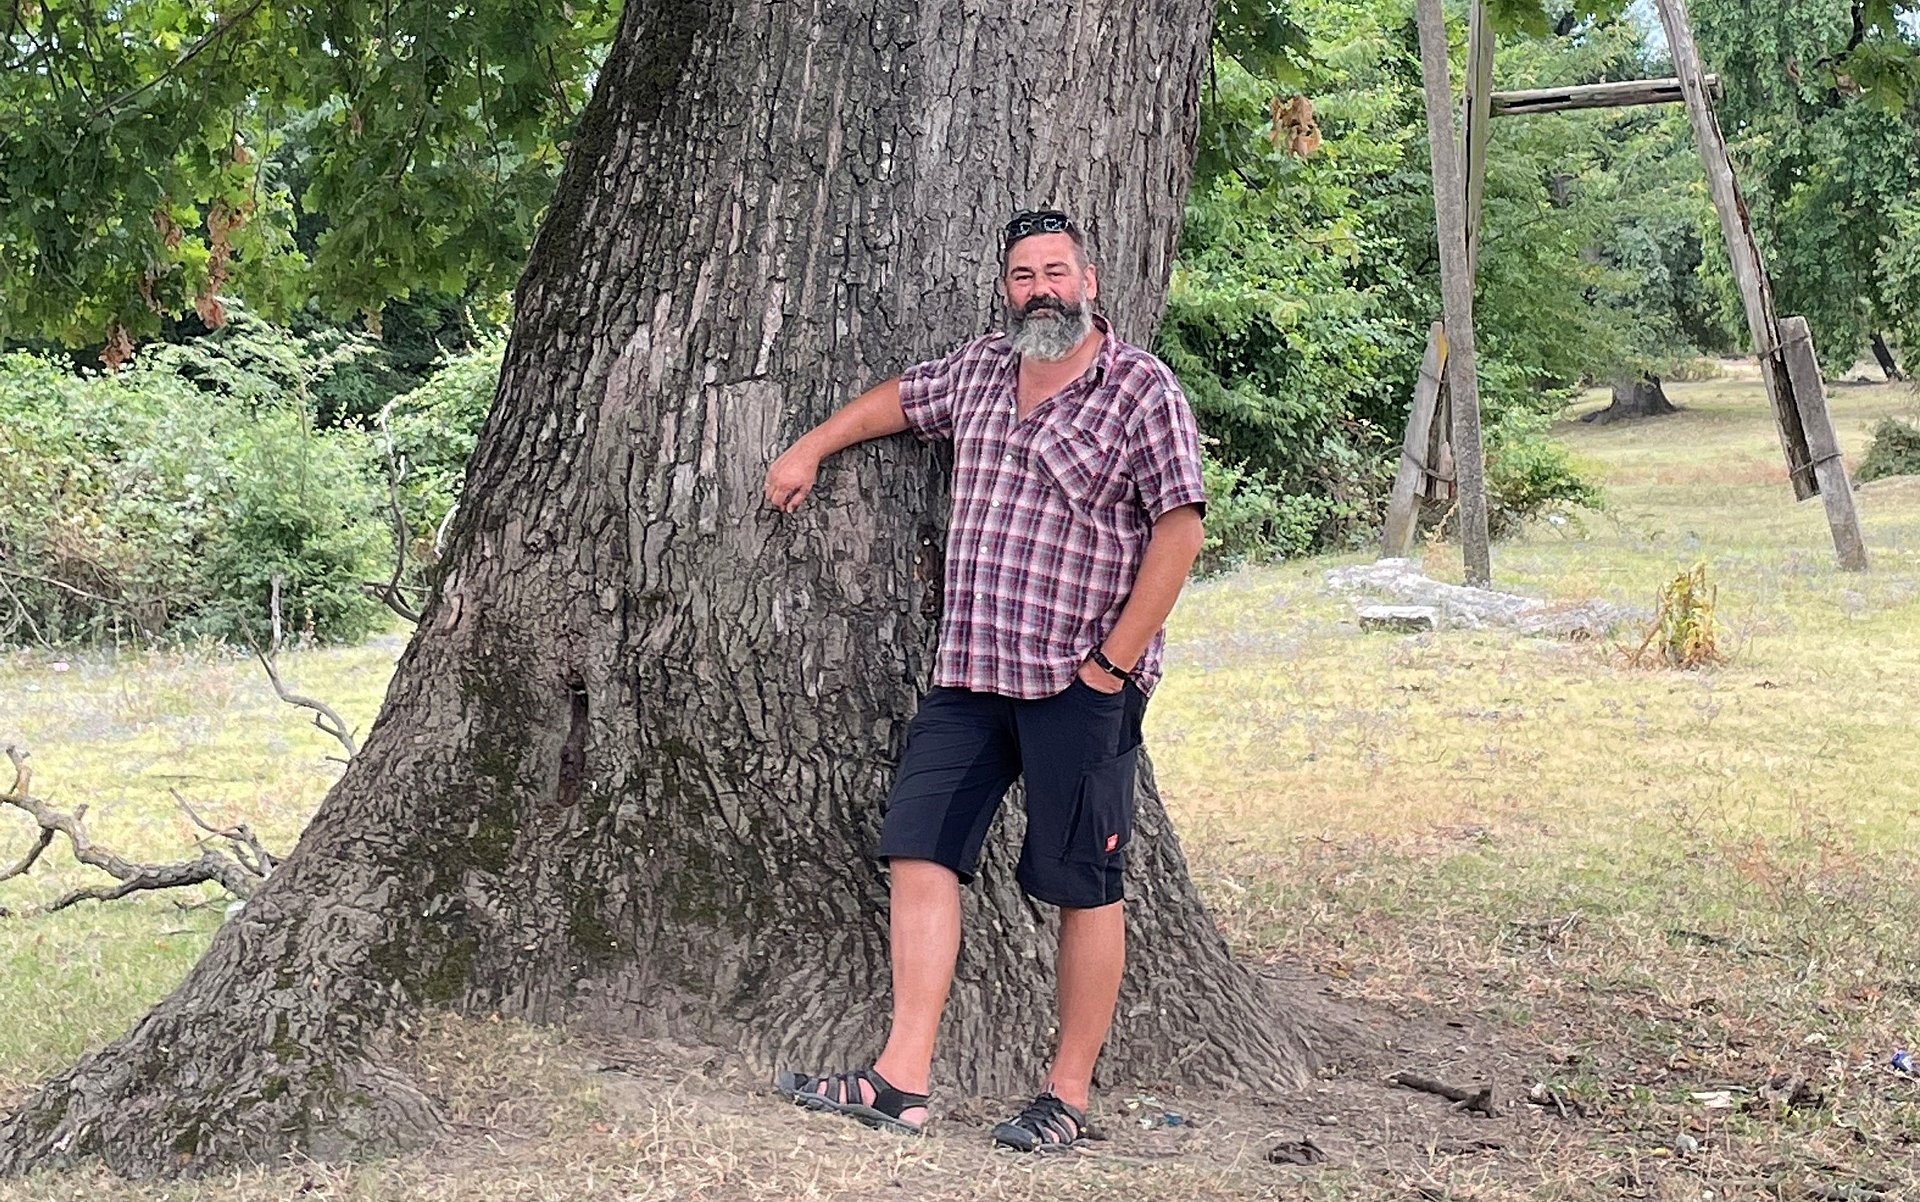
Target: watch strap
{"x":1106,"y":665}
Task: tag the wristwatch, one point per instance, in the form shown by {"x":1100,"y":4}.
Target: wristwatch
{"x":1106,"y":665}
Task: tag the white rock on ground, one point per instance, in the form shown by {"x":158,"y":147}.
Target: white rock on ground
{"x":1460,"y":606}
{"x":1407,"y":619}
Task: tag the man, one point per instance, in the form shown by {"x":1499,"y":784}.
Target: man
{"x":1077,"y":503}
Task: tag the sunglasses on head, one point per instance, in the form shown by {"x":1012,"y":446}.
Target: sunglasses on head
{"x":1042,"y":221}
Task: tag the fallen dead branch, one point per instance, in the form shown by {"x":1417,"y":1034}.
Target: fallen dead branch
{"x":1477,"y":1100}
{"x":239,"y":870}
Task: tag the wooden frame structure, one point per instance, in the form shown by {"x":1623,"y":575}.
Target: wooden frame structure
{"x":1441,"y":455}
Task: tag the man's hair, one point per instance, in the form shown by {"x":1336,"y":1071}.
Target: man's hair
{"x":1027,"y":223}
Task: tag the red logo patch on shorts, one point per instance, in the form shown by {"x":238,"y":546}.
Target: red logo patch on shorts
{"x":1113,"y":842}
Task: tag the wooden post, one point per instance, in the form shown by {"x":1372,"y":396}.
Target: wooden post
{"x":1829,"y":469}
{"x":1415,"y":455}
{"x":1427,"y":451}
{"x":1456,"y":286}
{"x":1476,"y":113}
{"x":1749,"y":273}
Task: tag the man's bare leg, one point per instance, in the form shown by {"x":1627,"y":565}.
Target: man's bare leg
{"x":924,"y":929}
{"x":1093,"y":951}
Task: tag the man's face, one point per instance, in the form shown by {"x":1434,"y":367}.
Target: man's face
{"x":1049,"y":294}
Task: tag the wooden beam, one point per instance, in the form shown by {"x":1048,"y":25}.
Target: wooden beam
{"x":1476,"y":113}
{"x":1829,"y":469}
{"x":1749,"y":273}
{"x":1456,"y":287}
{"x":1403,"y":504}
{"x":1625,"y":94}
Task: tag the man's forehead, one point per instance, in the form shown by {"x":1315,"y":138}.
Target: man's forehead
{"x":1039,"y":251}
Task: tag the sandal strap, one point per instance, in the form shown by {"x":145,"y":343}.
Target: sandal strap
{"x":1048,"y":1118}
{"x":844,"y":1088}
{"x":888,"y":1100}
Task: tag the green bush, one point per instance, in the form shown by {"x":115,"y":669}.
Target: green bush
{"x":1251,"y":518}
{"x":1894,"y":451}
{"x":157,"y":503}
{"x":436,"y":425}
{"x":1529,"y":475}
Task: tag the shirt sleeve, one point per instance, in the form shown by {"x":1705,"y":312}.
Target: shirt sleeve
{"x":1164,"y":453}
{"x":927,"y":392}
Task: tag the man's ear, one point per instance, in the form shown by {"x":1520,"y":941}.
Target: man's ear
{"x":1093,"y":282}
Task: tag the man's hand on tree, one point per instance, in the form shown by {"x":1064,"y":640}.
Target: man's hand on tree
{"x":791,"y":478}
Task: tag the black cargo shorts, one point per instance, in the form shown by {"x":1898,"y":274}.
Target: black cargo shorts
{"x":1078,"y":750}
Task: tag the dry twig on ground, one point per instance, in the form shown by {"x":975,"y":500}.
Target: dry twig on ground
{"x":1478,"y":1099}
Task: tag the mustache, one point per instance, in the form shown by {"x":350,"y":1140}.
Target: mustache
{"x":1052,"y":303}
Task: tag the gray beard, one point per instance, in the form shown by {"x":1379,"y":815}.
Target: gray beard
{"x":1050,"y":338}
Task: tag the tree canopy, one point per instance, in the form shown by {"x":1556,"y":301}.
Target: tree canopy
{"x":157,"y":154}
{"x":1813,"y":106}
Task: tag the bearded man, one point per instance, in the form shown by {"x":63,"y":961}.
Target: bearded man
{"x":1077,"y":506}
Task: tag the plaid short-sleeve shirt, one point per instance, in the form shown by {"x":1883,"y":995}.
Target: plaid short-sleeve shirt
{"x":1051,"y":514}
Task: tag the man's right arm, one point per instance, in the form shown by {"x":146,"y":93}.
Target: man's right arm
{"x":875,"y":413}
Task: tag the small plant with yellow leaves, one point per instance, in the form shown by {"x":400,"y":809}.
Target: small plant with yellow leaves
{"x":1685,"y":633}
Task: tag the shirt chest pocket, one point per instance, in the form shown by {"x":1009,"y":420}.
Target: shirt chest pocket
{"x":1087,"y":470}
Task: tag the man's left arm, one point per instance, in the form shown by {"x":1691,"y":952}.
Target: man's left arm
{"x":1163,"y":457}
{"x":1171,"y":550}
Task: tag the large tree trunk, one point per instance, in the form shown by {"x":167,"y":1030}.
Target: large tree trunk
{"x":1644,"y":397}
{"x":630,"y":769}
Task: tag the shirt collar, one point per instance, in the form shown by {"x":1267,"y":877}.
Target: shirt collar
{"x":1102,"y":362}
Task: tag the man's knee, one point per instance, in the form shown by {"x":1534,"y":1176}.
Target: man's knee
{"x":910,"y":873}
{"x":1105,"y":911}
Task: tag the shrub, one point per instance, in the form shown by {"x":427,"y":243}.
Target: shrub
{"x":1686,"y":629}
{"x":159,"y":501}
{"x":1250,"y":518}
{"x":1894,"y":451}
{"x":1529,"y":475}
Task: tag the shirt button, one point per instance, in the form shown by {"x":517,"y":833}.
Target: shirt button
{"x":994,"y":505}
{"x":1006,"y":458}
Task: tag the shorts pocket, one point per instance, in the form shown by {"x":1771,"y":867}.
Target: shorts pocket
{"x":1081,"y":688}
{"x":1103,"y":810}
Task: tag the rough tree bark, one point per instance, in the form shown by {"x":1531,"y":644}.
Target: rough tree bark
{"x":1644,"y":397}
{"x":628,"y":772}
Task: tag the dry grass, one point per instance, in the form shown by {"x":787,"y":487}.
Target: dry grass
{"x":1632,"y":886}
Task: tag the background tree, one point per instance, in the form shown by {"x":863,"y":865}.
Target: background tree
{"x":1597,"y":226}
{"x":627,"y":770}
{"x":1307,"y":281}
{"x":1815,"y":113}
{"x":157,"y":155}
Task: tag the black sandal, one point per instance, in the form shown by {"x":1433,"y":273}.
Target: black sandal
{"x":1047,"y":1125}
{"x":840,"y":1093}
